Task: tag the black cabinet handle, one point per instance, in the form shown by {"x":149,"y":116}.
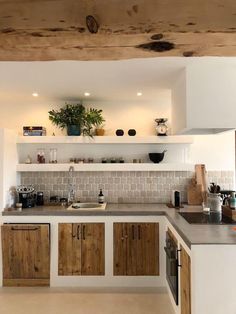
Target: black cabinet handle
{"x":139,"y":232}
{"x":78,"y":227}
{"x":83,"y":232}
{"x":133,"y":232}
{"x":73,"y":231}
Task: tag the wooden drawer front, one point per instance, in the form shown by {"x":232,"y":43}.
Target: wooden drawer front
{"x":26,"y":251}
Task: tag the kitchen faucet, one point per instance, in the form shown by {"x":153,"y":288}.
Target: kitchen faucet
{"x":71,"y":190}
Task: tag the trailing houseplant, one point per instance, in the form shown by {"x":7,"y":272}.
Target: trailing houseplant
{"x":77,"y":119}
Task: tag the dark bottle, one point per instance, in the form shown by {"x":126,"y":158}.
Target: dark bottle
{"x":100,"y":197}
{"x":39,"y":199}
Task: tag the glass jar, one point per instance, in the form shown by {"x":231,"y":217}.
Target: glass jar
{"x":53,"y":156}
{"x":41,"y":156}
{"x":214,"y":202}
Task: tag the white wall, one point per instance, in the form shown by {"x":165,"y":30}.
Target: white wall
{"x":9,"y":177}
{"x":216,"y":151}
{"x":18,"y":107}
{"x":211,"y":95}
{"x":8,"y":160}
{"x":139,"y":115}
{"x":15,"y":112}
{"x":178,"y":100}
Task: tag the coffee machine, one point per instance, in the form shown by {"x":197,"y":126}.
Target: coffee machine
{"x":26,"y":195}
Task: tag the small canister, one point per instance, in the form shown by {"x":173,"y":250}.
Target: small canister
{"x":19,"y":207}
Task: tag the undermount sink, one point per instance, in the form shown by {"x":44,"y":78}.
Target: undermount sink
{"x":87,"y":206}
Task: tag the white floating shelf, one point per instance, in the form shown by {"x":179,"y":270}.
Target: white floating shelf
{"x":172,"y":139}
{"x":105,"y":167}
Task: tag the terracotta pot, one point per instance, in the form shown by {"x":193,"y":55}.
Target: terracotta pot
{"x":100,"y":132}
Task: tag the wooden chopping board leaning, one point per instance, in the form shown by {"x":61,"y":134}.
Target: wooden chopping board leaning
{"x":197,"y":189}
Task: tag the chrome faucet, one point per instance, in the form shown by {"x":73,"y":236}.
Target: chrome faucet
{"x":71,"y":190}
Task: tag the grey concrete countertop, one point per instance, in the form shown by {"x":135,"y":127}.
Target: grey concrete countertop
{"x":191,"y":234}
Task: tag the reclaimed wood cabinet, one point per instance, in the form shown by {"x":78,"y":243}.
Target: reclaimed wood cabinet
{"x":81,"y":249}
{"x":26,"y":254}
{"x":185,"y":282}
{"x":136,"y":249}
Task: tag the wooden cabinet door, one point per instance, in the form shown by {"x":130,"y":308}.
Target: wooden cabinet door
{"x":147,"y":236}
{"x":136,"y":249}
{"x":81,"y":249}
{"x":26,"y":254}
{"x":132,"y":249}
{"x":93,"y":249}
{"x":185,"y":282}
{"x":69,"y":249}
{"x":119,"y":249}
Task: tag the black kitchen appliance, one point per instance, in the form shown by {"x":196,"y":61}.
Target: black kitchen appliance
{"x":172,"y":264}
{"x":208,"y":218}
{"x":26,"y":195}
{"x":39,"y":199}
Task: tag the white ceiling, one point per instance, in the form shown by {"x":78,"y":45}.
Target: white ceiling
{"x":105,"y":80}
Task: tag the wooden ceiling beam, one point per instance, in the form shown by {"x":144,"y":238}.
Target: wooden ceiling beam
{"x":57,"y":29}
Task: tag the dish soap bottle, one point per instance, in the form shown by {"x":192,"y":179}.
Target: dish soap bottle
{"x":101,"y":197}
{"x":232,"y":201}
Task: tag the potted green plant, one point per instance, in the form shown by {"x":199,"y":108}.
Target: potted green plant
{"x":93,"y":119}
{"x":99,"y":129}
{"x":76,"y":118}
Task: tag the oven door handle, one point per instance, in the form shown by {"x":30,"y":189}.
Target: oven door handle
{"x":178,"y":251}
{"x":171,"y":259}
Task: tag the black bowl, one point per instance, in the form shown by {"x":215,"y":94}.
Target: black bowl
{"x":156,"y":157}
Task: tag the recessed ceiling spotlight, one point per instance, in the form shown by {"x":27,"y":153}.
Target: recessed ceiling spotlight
{"x":35,"y":94}
{"x":139,"y":93}
{"x":86,"y":94}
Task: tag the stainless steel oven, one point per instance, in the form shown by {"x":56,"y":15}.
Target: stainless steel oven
{"x":172,"y":264}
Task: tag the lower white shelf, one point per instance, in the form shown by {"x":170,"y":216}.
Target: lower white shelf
{"x":105,"y":167}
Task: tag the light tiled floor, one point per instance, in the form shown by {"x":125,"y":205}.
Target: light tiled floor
{"x":71,"y":301}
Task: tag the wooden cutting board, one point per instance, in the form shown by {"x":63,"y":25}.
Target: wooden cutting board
{"x":201,"y":178}
{"x":194,"y":193}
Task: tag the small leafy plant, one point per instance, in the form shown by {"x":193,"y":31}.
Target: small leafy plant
{"x":77,"y":115}
{"x":93,"y":118}
{"x":68,"y":115}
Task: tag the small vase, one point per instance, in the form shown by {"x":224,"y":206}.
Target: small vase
{"x":100,"y":132}
{"x":73,"y":130}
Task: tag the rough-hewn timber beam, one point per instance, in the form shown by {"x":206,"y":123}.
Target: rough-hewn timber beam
{"x":57,"y":29}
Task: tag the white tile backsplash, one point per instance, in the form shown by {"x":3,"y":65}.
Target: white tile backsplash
{"x":122,"y":187}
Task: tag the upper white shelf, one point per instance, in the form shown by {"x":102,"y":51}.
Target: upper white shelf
{"x":105,"y":167}
{"x":172,"y":139}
